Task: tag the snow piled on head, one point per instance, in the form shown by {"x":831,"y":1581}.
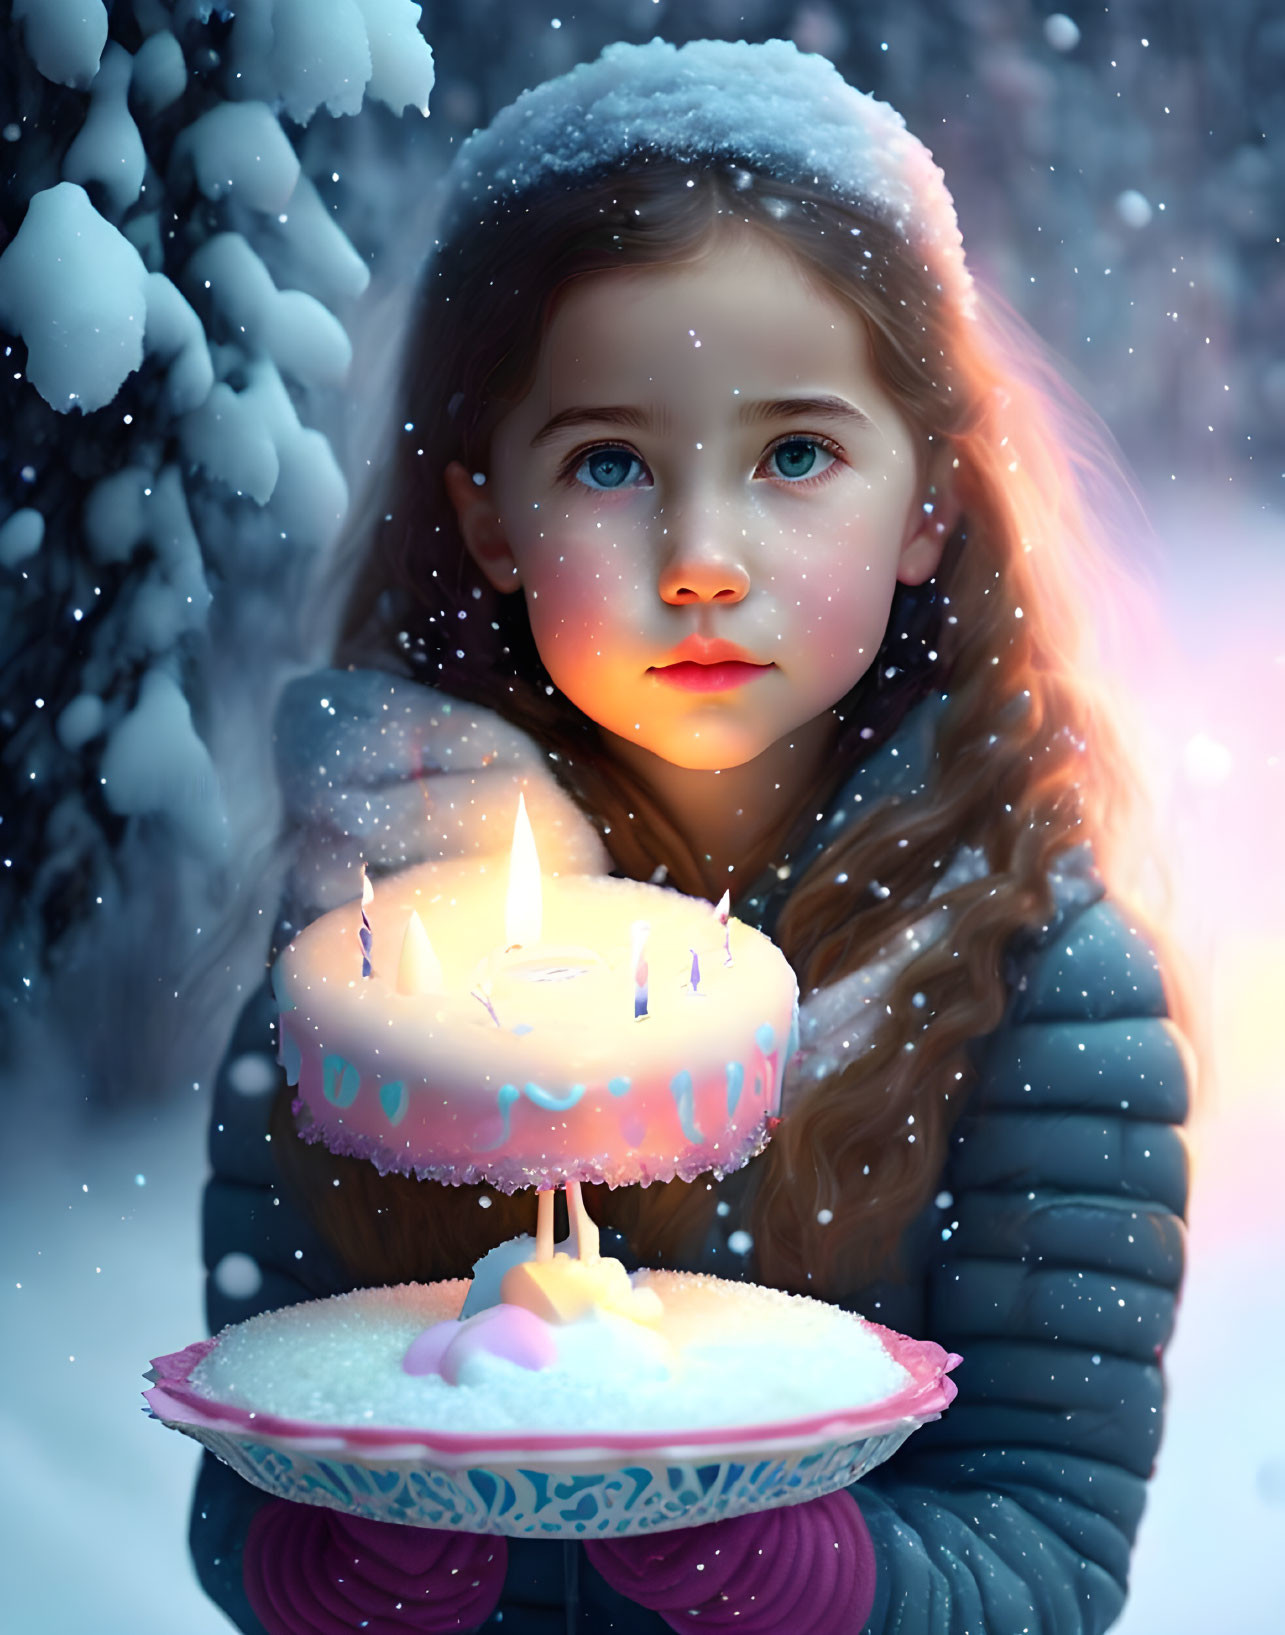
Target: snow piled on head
{"x":767,"y":106}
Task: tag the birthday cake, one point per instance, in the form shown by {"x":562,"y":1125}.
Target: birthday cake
{"x":475,"y":1023}
{"x":464,"y":1055}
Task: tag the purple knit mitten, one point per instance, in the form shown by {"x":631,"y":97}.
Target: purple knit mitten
{"x":805,"y":1569}
{"x":309,"y":1571}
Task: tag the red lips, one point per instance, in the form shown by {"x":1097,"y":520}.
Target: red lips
{"x":705,"y":664}
{"x":710,"y":650}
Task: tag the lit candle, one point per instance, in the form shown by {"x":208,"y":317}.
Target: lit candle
{"x":639,"y":932}
{"x":367,"y":897}
{"x":525,"y":957}
{"x":523,"y":906}
{"x":723,"y":912}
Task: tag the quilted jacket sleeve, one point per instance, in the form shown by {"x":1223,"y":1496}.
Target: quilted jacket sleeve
{"x":1057,"y":1279}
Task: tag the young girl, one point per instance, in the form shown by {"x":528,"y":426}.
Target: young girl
{"x":727,"y":520}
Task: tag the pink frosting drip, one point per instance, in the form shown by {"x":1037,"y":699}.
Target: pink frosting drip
{"x":511,"y":1332}
{"x":513,"y":1173}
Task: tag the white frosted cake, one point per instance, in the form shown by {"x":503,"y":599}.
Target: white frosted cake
{"x":467,"y":1061}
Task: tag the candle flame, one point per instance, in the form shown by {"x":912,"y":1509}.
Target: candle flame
{"x":523,"y":908}
{"x":418,"y":970}
{"x":367,"y":890}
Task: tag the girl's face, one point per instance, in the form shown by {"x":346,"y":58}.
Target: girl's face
{"x":708,"y":498}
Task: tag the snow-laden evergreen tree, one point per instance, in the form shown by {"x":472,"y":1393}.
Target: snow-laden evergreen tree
{"x":174,"y":291}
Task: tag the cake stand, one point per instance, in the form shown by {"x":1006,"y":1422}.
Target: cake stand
{"x":563,"y":1486}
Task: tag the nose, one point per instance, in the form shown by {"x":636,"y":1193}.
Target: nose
{"x":700,"y":569}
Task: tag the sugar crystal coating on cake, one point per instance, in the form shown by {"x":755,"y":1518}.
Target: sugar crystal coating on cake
{"x":741,"y":1355}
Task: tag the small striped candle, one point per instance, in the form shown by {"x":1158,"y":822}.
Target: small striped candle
{"x":367,"y":897}
{"x":641,"y":930}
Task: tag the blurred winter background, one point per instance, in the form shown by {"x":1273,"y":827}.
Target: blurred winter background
{"x":192,"y":391}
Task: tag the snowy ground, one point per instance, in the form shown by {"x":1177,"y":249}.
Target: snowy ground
{"x":98,"y":1230}
{"x":99,"y":1268}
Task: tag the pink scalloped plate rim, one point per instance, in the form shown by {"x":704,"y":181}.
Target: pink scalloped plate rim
{"x":174,"y":1400}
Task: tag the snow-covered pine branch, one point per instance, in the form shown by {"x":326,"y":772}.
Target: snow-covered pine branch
{"x":174,"y":293}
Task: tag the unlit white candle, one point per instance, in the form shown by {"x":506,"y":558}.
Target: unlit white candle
{"x":544,"y":1226}
{"x":418,"y":970}
{"x":583,"y":1227}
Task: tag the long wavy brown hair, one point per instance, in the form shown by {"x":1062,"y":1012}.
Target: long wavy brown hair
{"x":1027,"y":761}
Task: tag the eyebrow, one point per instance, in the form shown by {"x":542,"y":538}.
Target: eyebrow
{"x":823,"y":407}
{"x":608,"y":414}
{"x":775,"y":408}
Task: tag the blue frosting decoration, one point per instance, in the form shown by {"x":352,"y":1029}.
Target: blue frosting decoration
{"x":618,"y":1087}
{"x":765,"y":1038}
{"x":341,"y":1081}
{"x":505,"y":1096}
{"x":735,"y":1083}
{"x":680,"y":1087}
{"x":550,"y":1102}
{"x":793,"y":1044}
{"x":394,"y":1100}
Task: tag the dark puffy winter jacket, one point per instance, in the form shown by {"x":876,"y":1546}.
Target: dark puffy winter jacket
{"x":1051,"y":1259}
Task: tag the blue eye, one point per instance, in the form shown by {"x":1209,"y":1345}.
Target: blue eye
{"x":608,"y":468}
{"x":796,"y":458}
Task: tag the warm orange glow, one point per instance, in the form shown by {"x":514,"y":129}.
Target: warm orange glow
{"x":523,"y":908}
